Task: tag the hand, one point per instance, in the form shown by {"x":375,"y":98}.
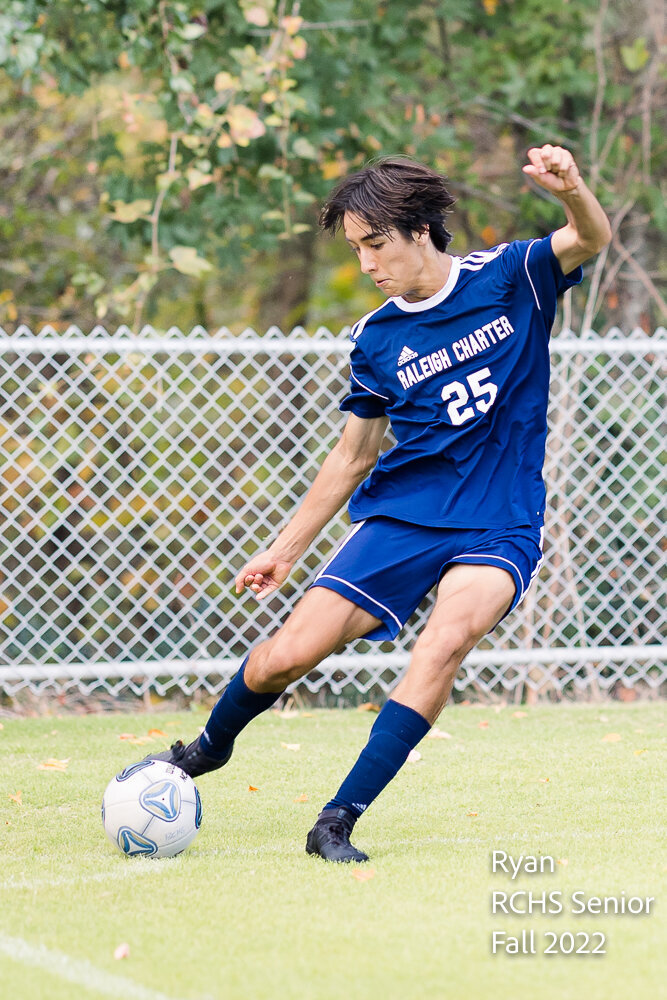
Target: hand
{"x":263,"y":574}
{"x":553,"y":168}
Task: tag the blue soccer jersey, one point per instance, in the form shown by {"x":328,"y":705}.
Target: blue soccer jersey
{"x":464,"y":378}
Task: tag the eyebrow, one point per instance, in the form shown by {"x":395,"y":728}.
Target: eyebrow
{"x":365,"y":239}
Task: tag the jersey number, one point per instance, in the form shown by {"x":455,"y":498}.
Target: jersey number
{"x":484,"y":394}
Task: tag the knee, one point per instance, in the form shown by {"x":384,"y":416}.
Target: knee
{"x":277,"y":663}
{"x":446,"y":645}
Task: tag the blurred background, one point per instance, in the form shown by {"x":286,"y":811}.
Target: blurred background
{"x":162,"y":165}
{"x":164,"y":162}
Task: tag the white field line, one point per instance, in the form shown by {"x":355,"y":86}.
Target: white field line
{"x":133,"y":870}
{"x":75,"y":970}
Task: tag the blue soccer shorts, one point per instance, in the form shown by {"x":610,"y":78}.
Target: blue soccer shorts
{"x":387,"y":566}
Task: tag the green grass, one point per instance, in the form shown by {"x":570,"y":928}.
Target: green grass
{"x":244,"y":913}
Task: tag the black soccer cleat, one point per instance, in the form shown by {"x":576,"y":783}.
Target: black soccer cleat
{"x":330,"y":837}
{"x":191,"y":758}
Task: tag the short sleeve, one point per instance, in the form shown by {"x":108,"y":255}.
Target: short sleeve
{"x":535,"y":263}
{"x":365,"y":398}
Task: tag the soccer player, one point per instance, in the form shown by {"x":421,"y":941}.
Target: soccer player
{"x":457,"y":359}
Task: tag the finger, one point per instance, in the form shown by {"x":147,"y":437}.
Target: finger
{"x":540,"y":158}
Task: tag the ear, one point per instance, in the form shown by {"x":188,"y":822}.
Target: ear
{"x":421,"y":236}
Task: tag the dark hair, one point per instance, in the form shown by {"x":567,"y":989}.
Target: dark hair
{"x":393,"y":193}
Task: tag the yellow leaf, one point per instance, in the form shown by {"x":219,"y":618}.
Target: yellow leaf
{"x":368,"y":706}
{"x":187,"y":261}
{"x":490,"y":6}
{"x":156,"y":732}
{"x":291,"y":24}
{"x":611,"y":738}
{"x":17,"y":798}
{"x":363,"y":874}
{"x":299,"y":798}
{"x":52,"y":764}
{"x":637,"y":753}
{"x":291,"y":746}
{"x":252,"y":788}
{"x":197,"y":179}
{"x":519,"y":715}
{"x":256,"y":15}
{"x":244,"y":124}
{"x":130,"y":211}
{"x":471,"y":814}
{"x":483,"y":724}
{"x":562,"y":861}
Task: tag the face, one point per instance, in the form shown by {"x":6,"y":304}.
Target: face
{"x":395,"y":264}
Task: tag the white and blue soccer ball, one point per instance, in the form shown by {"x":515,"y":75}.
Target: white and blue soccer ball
{"x":152,"y":809}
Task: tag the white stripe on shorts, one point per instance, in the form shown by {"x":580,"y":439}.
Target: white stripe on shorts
{"x":347,"y":583}
{"x":340,"y":547}
{"x":492,"y":555}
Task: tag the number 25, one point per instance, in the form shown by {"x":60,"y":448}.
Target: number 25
{"x":484,"y":396}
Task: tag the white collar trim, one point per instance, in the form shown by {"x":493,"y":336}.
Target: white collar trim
{"x":435,"y":299}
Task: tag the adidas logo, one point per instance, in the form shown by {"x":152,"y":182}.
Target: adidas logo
{"x":406,"y":355}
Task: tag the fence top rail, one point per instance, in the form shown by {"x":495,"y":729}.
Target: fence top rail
{"x":297,"y":341}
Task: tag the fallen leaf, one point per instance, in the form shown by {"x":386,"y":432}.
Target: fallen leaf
{"x":543,"y":780}
{"x":483,"y":724}
{"x":519,"y":715}
{"x":171,"y":725}
{"x":368,"y":706}
{"x":52,"y":764}
{"x":308,"y":715}
{"x":1,"y":726}
{"x":17,"y":798}
{"x":156,"y":732}
{"x":126,"y":736}
{"x":363,"y":874}
{"x":562,"y":861}
{"x":471,"y":814}
{"x":611,"y":738}
{"x":122,"y":951}
{"x":140,"y":741}
{"x":291,"y":746}
{"x":499,"y":708}
{"x":251,"y":788}
{"x":637,"y":753}
{"x":301,"y":798}
{"x":438,"y":734}
{"x":287,"y":713}
{"x":414,"y":756}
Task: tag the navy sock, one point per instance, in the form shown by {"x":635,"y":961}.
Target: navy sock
{"x":397,"y":730}
{"x":237,"y":706}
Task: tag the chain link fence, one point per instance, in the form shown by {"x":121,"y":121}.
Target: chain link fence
{"x":139,"y":473}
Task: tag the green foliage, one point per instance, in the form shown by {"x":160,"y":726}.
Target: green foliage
{"x":219,"y":126}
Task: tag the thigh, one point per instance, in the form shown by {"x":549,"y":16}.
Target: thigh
{"x":322,"y":623}
{"x":473,"y":597}
{"x":326,"y":620}
{"x":471,"y":601}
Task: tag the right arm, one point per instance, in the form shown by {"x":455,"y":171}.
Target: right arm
{"x":344,"y":468}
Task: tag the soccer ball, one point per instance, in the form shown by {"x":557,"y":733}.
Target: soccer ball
{"x":151,"y":808}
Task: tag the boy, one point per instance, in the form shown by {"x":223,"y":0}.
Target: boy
{"x":457,"y":359}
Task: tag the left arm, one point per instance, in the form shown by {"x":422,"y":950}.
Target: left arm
{"x":587,"y":230}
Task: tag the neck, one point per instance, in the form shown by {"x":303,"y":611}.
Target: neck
{"x":431,"y":278}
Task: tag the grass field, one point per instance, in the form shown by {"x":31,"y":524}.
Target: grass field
{"x":244,"y":913}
